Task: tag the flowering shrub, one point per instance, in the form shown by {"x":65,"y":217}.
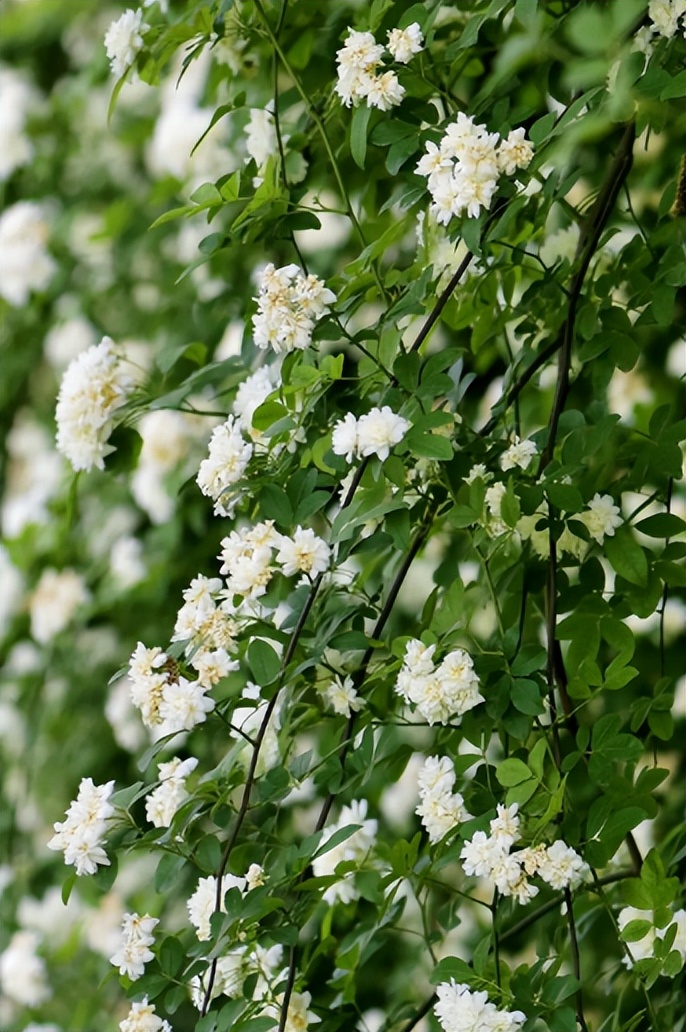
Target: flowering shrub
{"x":343,"y":522}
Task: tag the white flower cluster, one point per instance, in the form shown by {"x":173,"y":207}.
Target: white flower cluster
{"x":58,"y":595}
{"x":222,"y":470}
{"x":247,"y":558}
{"x":489,"y":856}
{"x":520,"y":453}
{"x":209,"y":629}
{"x":24,"y":260}
{"x":644,"y":948}
{"x":601,"y":519}
{"x":665,"y":16}
{"x":440,"y":693}
{"x":23,"y":973}
{"x":355,"y":848}
{"x":82,"y":834}
{"x":143,"y":1018}
{"x":463,"y":170}
{"x":237,"y":965}
{"x":134,"y":949}
{"x":167,"y":704}
{"x":201,"y":904}
{"x":163,"y":802}
{"x":123,"y":40}
{"x":375,"y":433}
{"x":92,"y":389}
{"x":288,"y":306}
{"x":17,"y":98}
{"x":358,"y":61}
{"x":341,"y":696}
{"x":440,"y":808}
{"x":460,"y":1010}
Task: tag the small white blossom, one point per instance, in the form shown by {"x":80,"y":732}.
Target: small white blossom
{"x":561,"y":866}
{"x":134,"y":951}
{"x":478,"y":472}
{"x":224,"y":467}
{"x":442,"y":693}
{"x":514,"y":152}
{"x":124,"y":39}
{"x":403,"y":44}
{"x":505,"y":827}
{"x":57,"y":596}
{"x":289,"y":305}
{"x":374,"y":433}
{"x":81,"y":836}
{"x":354,"y":848}
{"x":92,"y":389}
{"x":460,"y":1010}
{"x":163,"y":802}
{"x":23,"y":973}
{"x":142,"y":1018}
{"x":303,"y":553}
{"x":439,"y":808}
{"x":520,"y":453}
{"x":342,"y":697}
{"x":254,"y":877}
{"x":202,"y":903}
{"x":357,"y":62}
{"x":384,"y":91}
{"x":26,"y":264}
{"x":260,"y":136}
{"x":602,"y":517}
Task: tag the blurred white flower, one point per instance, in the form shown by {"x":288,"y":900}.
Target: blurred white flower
{"x":52,"y":605}
{"x":25,"y":265}
{"x":124,"y":39}
{"x":23,"y":974}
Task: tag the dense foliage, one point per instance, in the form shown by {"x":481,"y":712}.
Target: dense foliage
{"x":343,"y":522}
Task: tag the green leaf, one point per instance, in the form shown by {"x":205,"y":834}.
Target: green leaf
{"x":206,"y":196}
{"x":451,"y":967}
{"x":429,"y":446}
{"x":358,"y":134}
{"x":526,"y":697}
{"x":264,"y":662}
{"x":662,"y":525}
{"x":512,"y":772}
{"x":627,"y":557}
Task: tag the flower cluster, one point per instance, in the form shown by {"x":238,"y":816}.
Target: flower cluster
{"x":602,"y":517}
{"x":81,"y":836}
{"x":93,"y":388}
{"x":123,"y":40}
{"x":358,"y":61}
{"x":202,"y":903}
{"x":464,"y":168}
{"x":665,"y":16}
{"x":289,"y":304}
{"x":440,"y":693}
{"x":235,"y":967}
{"x":520,"y":453}
{"x":163,"y":802}
{"x":375,"y":433}
{"x":143,"y":1018}
{"x":440,"y":808}
{"x":460,"y":1010}
{"x":489,"y":856}
{"x":26,"y":264}
{"x":134,"y":950}
{"x":354,"y":848}
{"x":644,"y":948}
{"x":208,"y":628}
{"x":168,"y":702}
{"x":222,"y":470}
{"x":248,"y":558}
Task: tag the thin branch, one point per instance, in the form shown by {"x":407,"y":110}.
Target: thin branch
{"x":576,"y":960}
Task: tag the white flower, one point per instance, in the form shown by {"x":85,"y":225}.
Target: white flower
{"x":520,"y":453}
{"x":481,"y":854}
{"x":355,"y":848}
{"x":24,"y":261}
{"x":254,"y":877}
{"x":212,"y":666}
{"x":342,"y":697}
{"x":126,"y":561}
{"x":384,"y":91}
{"x":142,"y":1018}
{"x":56,"y":598}
{"x":379,"y":430}
{"x":440,"y":810}
{"x":505,"y":827}
{"x":17,"y":98}
{"x":357,"y":62}
{"x":92,"y":389}
{"x":222,"y":470}
{"x":602,"y":517}
{"x":184,"y":704}
{"x":514,"y":152}
{"x":561,"y":866}
{"x":303,"y":553}
{"x":344,"y":438}
{"x":82,"y":834}
{"x":403,"y":44}
{"x":478,"y":472}
{"x":162,"y":803}
{"x":251,"y":393}
{"x":134,"y":951}
{"x":440,"y":694}
{"x":299,"y":1017}
{"x":123,"y":40}
{"x":260,"y":136}
{"x":202,"y":903}
{"x":23,"y":973}
{"x":460,"y":1010}
{"x":494,"y":500}
{"x":289,"y":305}
{"x":148,"y":676}
{"x":247,"y":720}
{"x":665,"y":15}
